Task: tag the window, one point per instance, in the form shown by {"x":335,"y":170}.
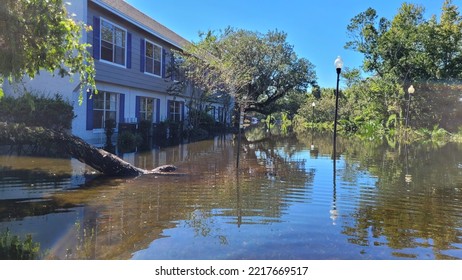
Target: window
{"x":104,"y":108}
{"x":153,"y":57}
{"x":146,"y":108}
{"x":113,"y":43}
{"x":221,"y":115}
{"x":211,"y":111}
{"x":175,"y":110}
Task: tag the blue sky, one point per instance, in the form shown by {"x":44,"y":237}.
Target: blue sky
{"x":316,"y":29}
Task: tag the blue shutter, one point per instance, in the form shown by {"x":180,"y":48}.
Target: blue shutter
{"x":89,"y":111}
{"x":168,"y":108}
{"x":122,"y":108}
{"x":182,"y":111}
{"x":173,"y":67}
{"x":129,"y":50}
{"x":158,"y":111}
{"x":96,"y":38}
{"x":164,"y":53}
{"x":142,"y":54}
{"x":137,"y":108}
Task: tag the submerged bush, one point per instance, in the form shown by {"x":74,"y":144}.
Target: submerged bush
{"x":13,"y":248}
{"x":33,"y":109}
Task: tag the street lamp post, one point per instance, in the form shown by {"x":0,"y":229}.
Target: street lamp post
{"x":410,"y":91}
{"x":338,"y":66}
{"x":312,"y":118}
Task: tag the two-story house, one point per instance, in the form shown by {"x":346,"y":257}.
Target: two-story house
{"x":133,"y":63}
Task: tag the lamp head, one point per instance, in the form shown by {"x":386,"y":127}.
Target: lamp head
{"x":338,"y":63}
{"x":411,"y":89}
{"x":313,"y":104}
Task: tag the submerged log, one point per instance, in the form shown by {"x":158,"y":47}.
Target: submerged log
{"x":99,"y":159}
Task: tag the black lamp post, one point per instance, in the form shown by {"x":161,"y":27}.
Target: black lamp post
{"x":338,"y":66}
{"x":410,"y":91}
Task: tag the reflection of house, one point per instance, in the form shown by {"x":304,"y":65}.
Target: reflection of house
{"x":134,"y":69}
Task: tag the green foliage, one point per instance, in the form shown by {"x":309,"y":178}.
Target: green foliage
{"x":40,"y":35}
{"x":128,"y":141}
{"x":256,"y":69}
{"x":33,"y":109}
{"x":13,"y":248}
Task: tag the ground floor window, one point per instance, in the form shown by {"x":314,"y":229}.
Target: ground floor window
{"x":147,"y":109}
{"x":175,"y":109}
{"x":211,"y":111}
{"x":221,"y":115}
{"x":104,"y":108}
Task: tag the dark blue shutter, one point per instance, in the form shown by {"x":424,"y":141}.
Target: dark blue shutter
{"x":122,"y":108}
{"x":142,"y":54}
{"x":137,"y":108}
{"x":158,"y":111}
{"x":182,"y":111}
{"x":89,"y":111}
{"x":129,"y":50}
{"x":169,"y":102}
{"x":173,"y":67}
{"x":96,"y":38}
{"x":164,"y":54}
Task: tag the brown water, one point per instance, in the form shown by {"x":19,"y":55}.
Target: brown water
{"x":286,"y":201}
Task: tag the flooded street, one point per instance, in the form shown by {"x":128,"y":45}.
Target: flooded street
{"x":285,"y":201}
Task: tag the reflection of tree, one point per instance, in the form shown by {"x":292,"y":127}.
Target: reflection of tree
{"x":421,"y":213}
{"x":124,"y":216}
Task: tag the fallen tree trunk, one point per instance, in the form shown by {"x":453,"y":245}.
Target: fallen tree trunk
{"x":99,"y":159}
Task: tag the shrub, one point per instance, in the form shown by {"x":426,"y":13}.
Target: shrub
{"x":13,"y":248}
{"x":33,"y":109}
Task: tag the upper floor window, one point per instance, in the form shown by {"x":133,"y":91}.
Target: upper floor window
{"x":113,"y":43}
{"x":153,"y":58}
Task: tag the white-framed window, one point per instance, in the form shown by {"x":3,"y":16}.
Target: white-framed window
{"x":147,"y":108}
{"x":113,"y":43}
{"x":153,"y":58}
{"x":104,"y":108}
{"x":175,"y":110}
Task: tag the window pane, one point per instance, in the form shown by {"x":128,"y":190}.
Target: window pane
{"x":120,"y":38}
{"x":107,"y":32}
{"x":112,"y":101}
{"x":98,"y":101}
{"x":98,"y":119}
{"x":149,"y":50}
{"x":157,"y":53}
{"x":149,"y":65}
{"x":156,"y":67}
{"x":106,"y":51}
{"x":110,"y":115}
{"x":119,"y":55}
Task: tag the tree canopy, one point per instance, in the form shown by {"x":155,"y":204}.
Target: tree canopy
{"x":409,"y":47}
{"x":40,"y":35}
{"x":256,"y":69}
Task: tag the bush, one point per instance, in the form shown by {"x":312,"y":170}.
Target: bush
{"x":33,"y":109}
{"x":13,"y":248}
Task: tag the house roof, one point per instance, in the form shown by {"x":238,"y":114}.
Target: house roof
{"x":143,"y":21}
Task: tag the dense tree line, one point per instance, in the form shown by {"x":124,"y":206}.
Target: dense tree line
{"x":406,"y":50}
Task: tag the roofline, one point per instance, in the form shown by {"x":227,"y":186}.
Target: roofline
{"x":136,"y":23}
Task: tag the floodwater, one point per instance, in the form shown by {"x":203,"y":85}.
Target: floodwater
{"x":286,"y":200}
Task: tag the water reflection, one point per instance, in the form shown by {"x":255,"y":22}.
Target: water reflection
{"x":287,"y":201}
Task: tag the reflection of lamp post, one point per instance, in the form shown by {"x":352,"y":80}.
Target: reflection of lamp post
{"x":410,"y":91}
{"x":241,"y":126}
{"x":338,"y":66}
